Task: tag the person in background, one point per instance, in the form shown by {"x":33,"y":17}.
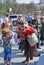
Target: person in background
{"x":37,"y":25}
{"x":1,"y":21}
{"x":7,"y":17}
{"x":29,"y":19}
{"x":8,"y":20}
{"x":19,"y":30}
{"x":42,"y":30}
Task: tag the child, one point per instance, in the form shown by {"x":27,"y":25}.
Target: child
{"x":7,"y":36}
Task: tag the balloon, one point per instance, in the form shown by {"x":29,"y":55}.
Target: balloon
{"x":28,"y":30}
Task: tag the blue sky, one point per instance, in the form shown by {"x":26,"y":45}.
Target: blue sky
{"x":28,"y":1}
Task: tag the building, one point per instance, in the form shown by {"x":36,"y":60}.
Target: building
{"x":41,"y":4}
{"x":41,"y":1}
{"x":2,"y":1}
{"x":8,"y":1}
{"x":12,"y":1}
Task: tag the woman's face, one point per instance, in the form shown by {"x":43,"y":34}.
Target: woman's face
{"x":19,"y":25}
{"x":43,"y":20}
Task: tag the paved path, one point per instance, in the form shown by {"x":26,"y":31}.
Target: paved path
{"x":41,"y":60}
{"x":18,"y":57}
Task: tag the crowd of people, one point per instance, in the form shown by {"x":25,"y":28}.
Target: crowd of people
{"x":29,"y":33}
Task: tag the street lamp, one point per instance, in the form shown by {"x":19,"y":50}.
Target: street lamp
{"x":10,"y":10}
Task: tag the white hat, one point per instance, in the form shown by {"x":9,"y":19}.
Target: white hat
{"x":25,"y":24}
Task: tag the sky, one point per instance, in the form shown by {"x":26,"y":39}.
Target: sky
{"x":28,"y":1}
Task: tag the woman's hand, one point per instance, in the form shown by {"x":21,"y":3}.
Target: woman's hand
{"x":8,"y":34}
{"x":28,"y":36}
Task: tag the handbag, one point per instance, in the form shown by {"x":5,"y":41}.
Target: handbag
{"x":32,"y":39}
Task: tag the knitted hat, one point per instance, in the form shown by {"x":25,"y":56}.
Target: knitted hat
{"x":5,"y":31}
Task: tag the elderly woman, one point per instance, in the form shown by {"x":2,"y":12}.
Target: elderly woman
{"x":29,"y":50}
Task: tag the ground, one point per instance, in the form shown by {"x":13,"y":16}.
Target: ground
{"x":18,"y":56}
